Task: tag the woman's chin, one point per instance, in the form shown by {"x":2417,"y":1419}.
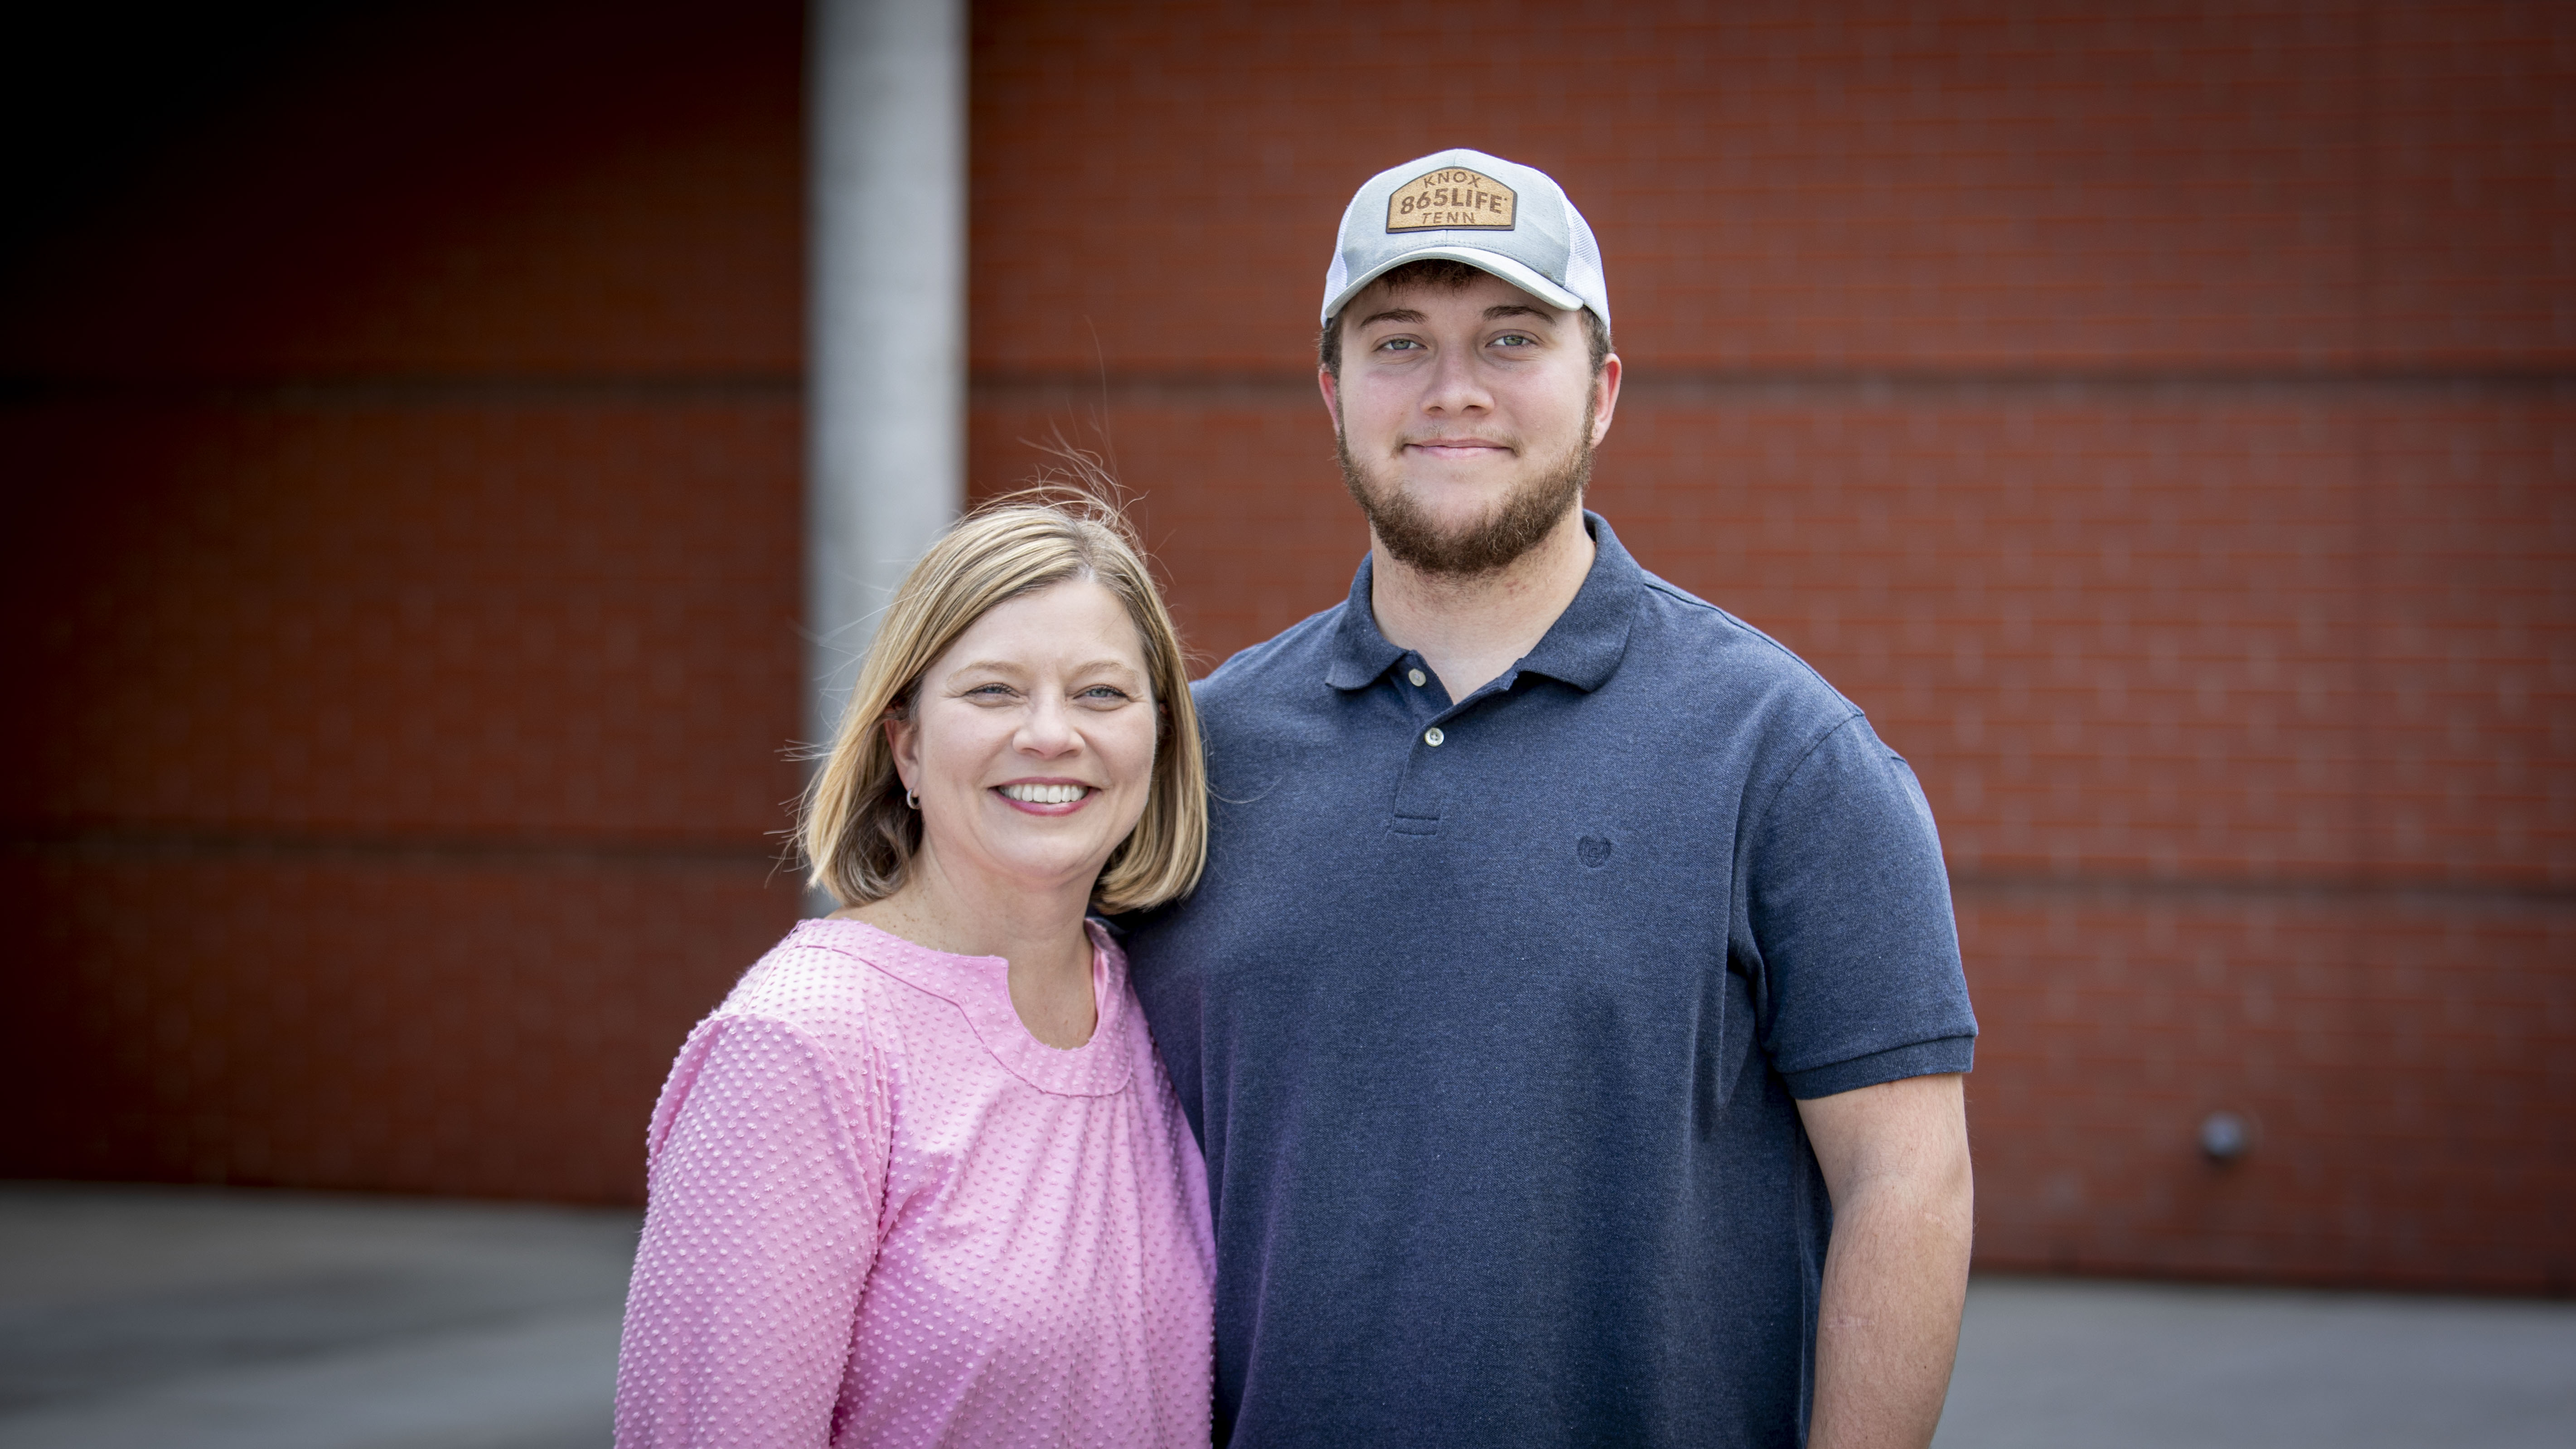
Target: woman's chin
{"x":1021,"y":852}
{"x":1037,"y":869}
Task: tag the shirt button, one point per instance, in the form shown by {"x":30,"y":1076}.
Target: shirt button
{"x":1418,"y":677}
{"x":1432,"y":736}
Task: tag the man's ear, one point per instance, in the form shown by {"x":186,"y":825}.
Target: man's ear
{"x":1332,"y":395}
{"x":1605,"y":398}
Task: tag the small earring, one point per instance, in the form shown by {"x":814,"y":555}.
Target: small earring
{"x":912,"y":798}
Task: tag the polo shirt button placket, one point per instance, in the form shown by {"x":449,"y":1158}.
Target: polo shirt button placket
{"x":1417,"y":790}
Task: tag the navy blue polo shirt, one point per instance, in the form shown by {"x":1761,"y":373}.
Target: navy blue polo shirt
{"x":1491,"y":1014}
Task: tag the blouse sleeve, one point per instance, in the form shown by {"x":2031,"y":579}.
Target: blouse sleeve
{"x":766,"y":1176}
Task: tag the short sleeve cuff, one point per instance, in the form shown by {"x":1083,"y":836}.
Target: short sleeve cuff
{"x":1922,"y":1059}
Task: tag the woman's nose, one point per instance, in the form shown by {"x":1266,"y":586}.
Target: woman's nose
{"x":1047,"y":729}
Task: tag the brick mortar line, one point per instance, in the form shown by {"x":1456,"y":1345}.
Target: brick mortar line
{"x":2118,"y":887}
{"x":990,"y":389}
{"x":1860,"y":384}
{"x":148,"y":844}
{"x":21,"y":393}
{"x":137,"y":844}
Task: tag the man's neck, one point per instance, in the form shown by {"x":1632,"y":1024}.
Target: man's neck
{"x":1470,"y":630}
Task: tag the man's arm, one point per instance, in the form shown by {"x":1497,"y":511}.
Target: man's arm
{"x":1895,"y":1159}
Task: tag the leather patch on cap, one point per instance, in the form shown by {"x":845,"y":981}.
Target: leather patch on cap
{"x":1451,"y":199}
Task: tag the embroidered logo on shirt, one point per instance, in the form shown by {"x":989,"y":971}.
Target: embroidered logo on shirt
{"x":1451,"y":199}
{"x":1593,"y":851}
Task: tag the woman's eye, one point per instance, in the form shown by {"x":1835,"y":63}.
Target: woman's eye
{"x":989,"y":692}
{"x":1100,"y":693}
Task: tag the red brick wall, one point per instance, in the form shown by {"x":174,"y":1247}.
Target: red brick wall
{"x":401,"y":594}
{"x":2159,"y":422}
{"x":2158,"y":417}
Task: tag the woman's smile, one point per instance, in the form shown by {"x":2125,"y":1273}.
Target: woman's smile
{"x":1046,"y":797}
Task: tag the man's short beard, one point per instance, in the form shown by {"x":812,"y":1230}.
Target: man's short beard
{"x":1512,"y":528}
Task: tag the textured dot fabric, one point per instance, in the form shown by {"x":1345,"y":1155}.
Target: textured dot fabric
{"x":884,"y":1214}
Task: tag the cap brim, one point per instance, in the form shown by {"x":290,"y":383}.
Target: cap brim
{"x":1519,"y":274}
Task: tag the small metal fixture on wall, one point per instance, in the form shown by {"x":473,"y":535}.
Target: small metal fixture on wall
{"x":2226,"y":1137}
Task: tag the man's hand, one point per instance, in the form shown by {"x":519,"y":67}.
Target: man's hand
{"x":1895,"y":1159}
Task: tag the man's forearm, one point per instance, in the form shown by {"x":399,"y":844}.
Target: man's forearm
{"x":1896,"y":1272}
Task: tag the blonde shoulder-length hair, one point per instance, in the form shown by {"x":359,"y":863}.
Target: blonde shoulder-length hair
{"x":859,"y":834}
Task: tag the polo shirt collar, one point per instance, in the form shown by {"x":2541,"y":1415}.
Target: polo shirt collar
{"x":1582,"y":648}
{"x":1360,"y":653}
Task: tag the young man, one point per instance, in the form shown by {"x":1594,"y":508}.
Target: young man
{"x":1571,"y":1011}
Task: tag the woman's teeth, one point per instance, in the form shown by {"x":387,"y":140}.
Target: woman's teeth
{"x":1046,"y":794}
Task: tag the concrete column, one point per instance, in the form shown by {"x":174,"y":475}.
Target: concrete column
{"x":886,"y":317}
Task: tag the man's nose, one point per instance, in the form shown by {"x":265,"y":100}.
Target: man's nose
{"x":1455,"y":388}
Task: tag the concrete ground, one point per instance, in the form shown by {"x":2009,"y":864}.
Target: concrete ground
{"x":2066,"y":1361}
{"x":192,"y":1319}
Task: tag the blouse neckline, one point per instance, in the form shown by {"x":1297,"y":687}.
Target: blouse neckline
{"x":980,"y":988}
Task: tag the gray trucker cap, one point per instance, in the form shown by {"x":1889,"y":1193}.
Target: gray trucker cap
{"x":1497,"y":215}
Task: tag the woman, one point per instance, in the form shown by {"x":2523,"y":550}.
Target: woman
{"x":921,"y":1179}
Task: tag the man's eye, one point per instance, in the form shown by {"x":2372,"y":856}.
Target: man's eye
{"x":1399,"y":344}
{"x":1516,"y":339}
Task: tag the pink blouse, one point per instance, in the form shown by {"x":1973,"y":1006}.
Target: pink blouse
{"x":884,"y":1214}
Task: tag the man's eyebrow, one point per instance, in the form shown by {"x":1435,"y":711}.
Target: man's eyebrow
{"x":1516,"y":309}
{"x":1405,"y":316}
